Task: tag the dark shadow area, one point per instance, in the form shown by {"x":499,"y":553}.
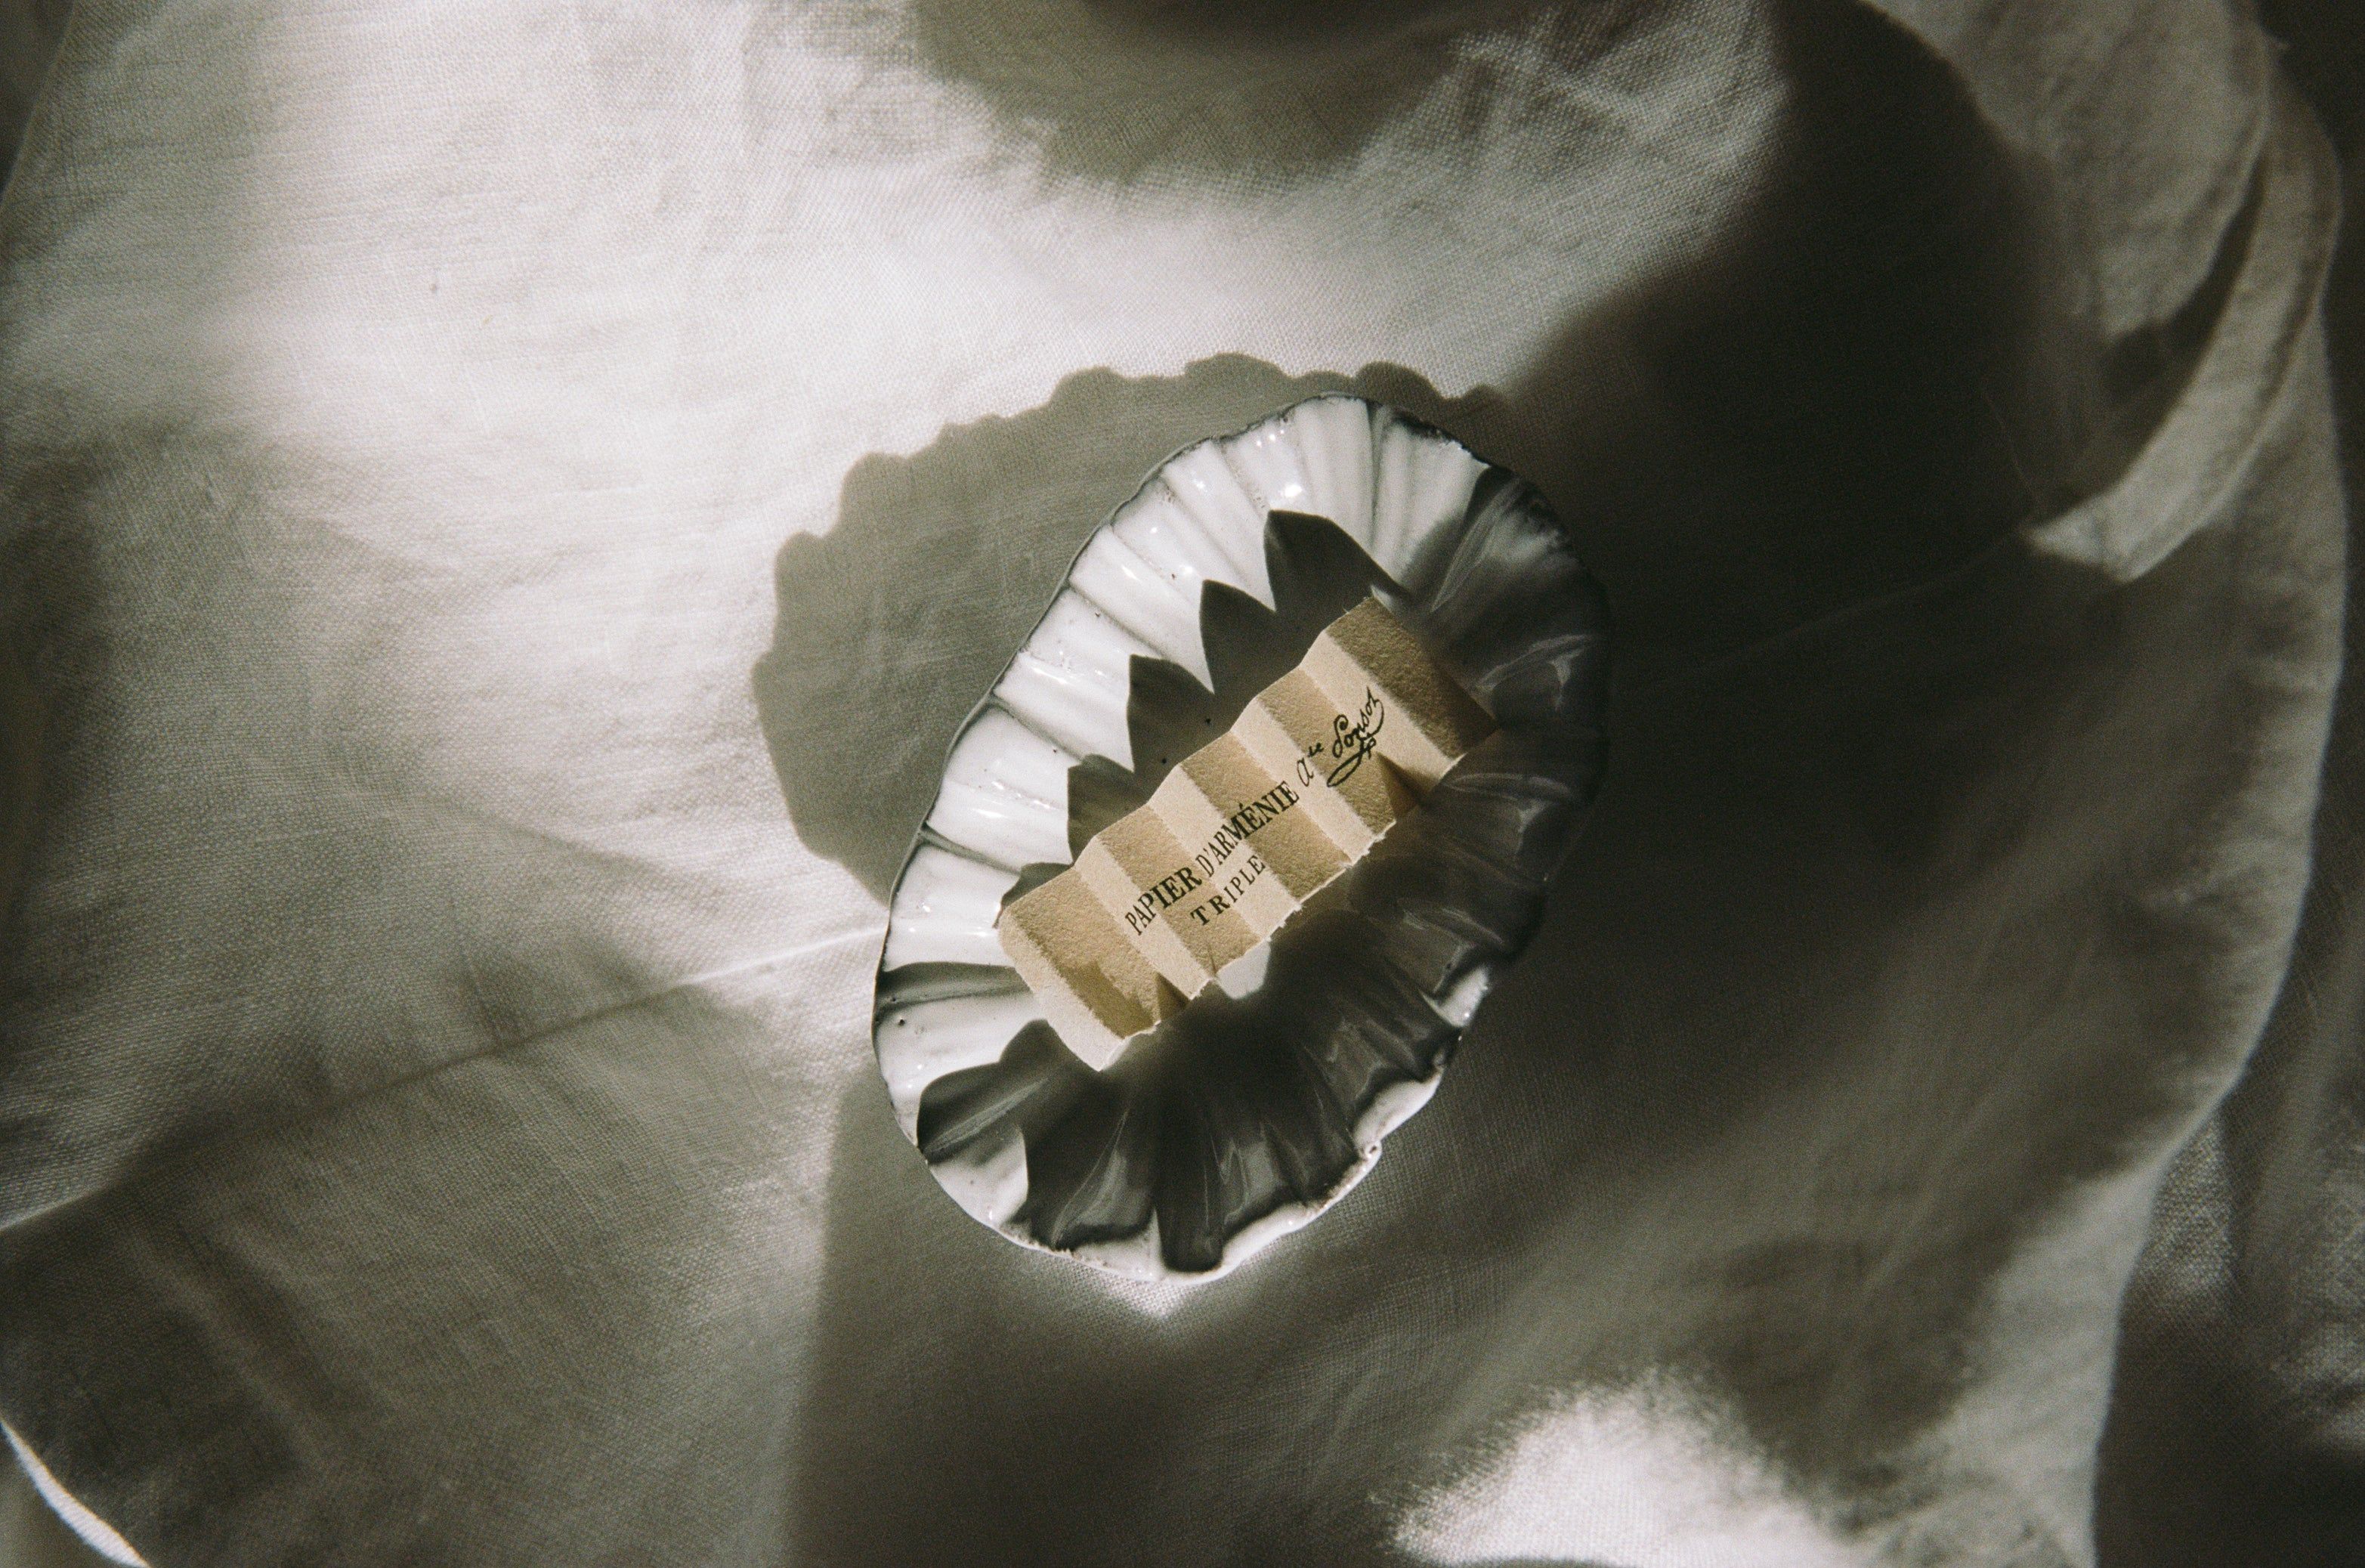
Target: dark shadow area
{"x":1206,"y":90}
{"x":2206,"y":1462}
{"x":30,"y":31}
{"x":1798,"y":1058}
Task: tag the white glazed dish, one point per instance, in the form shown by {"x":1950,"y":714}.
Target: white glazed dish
{"x":1247,"y":1115}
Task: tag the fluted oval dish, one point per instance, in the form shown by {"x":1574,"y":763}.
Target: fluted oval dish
{"x":1244,"y":1116}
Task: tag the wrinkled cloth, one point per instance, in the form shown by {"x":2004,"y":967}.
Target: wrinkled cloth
{"x":437,"y":1120}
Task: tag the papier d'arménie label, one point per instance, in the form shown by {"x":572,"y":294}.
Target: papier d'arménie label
{"x":1242,"y":831}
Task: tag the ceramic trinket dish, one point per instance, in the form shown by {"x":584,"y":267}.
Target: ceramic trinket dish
{"x":1177,"y":1136}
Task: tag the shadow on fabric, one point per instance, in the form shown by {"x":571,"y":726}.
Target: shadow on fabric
{"x":1800,"y":1058}
{"x":1206,"y":90}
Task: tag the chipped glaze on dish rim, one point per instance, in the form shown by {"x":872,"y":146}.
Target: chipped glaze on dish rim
{"x":1404,"y":494}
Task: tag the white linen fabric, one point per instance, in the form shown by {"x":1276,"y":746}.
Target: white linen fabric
{"x":505,"y":505}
